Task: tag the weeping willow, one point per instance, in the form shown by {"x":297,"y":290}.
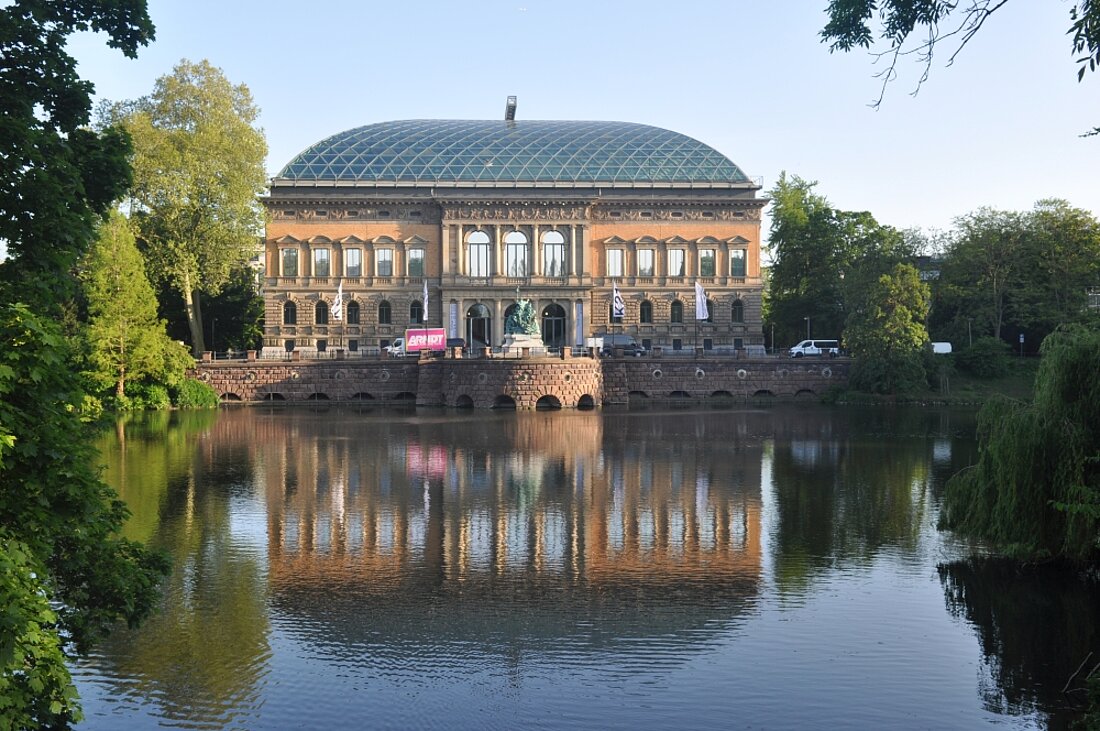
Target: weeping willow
{"x":1035,"y":490}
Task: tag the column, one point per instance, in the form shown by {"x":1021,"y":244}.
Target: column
{"x":444,"y":251}
{"x":498,"y":250}
{"x":536,"y":252}
{"x":498,"y":323}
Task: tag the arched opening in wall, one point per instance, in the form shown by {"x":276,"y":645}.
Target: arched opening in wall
{"x":464,"y":402}
{"x":805,"y":394}
{"x":362,"y":396}
{"x":548,"y":402}
{"x":553,"y":254}
{"x":416,"y":313}
{"x":586,"y":402}
{"x":230,"y":397}
{"x":553,"y":325}
{"x":273,"y":397}
{"x":317,"y":396}
{"x":385,"y":313}
{"x":680,"y":400}
{"x":676,"y":312}
{"x":722,"y":395}
{"x":320,"y":313}
{"x":353,"y":313}
{"x":638,"y":395}
{"x":710,"y":310}
{"x":645,"y":312}
{"x":763,"y":393}
{"x":479,"y":327}
{"x":515,"y":254}
{"x":737,"y":311}
{"x":504,"y":401}
{"x":290,"y":313}
{"x":406,"y":397}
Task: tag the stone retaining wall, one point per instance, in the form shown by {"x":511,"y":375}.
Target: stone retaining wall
{"x":489,"y":382}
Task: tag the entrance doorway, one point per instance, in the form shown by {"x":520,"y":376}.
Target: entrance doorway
{"x":479,"y":327}
{"x":553,"y":326}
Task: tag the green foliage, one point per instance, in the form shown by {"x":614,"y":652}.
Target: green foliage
{"x":986,"y":358}
{"x":56,"y":176}
{"x":35,"y":688}
{"x":55,"y":505}
{"x":192,"y":394}
{"x":202,"y":220}
{"x":125,"y":340}
{"x":149,"y":397}
{"x":824,"y":259}
{"x":886,"y":333}
{"x":933,"y":21}
{"x":1036,"y":487}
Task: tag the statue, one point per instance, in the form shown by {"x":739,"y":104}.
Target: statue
{"x":521,"y":328}
{"x":522,"y":320}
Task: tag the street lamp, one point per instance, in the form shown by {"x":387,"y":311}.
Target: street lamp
{"x":807,"y":319}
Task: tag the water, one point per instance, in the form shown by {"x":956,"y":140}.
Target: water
{"x":646,"y":569}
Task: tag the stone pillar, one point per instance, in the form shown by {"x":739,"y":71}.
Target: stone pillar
{"x":498,"y":323}
{"x":498,"y":250}
{"x":535,"y":249}
{"x":444,"y":251}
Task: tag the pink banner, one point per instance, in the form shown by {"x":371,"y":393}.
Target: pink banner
{"x":434,"y":338}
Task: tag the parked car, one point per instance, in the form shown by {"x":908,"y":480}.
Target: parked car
{"x":629,"y":345}
{"x":397,"y":349}
{"x":818,"y":348}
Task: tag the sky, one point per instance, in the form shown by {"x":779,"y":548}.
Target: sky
{"x":1000,"y":127}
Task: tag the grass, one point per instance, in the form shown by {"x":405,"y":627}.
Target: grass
{"x":961,"y":388}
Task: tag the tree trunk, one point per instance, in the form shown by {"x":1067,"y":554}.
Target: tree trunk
{"x":194,"y":317}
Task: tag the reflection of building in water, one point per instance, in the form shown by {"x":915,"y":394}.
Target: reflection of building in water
{"x":445,"y":503}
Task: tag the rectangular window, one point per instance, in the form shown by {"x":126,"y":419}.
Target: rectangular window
{"x":321,"y":263}
{"x":737,"y":262}
{"x":708,"y":343}
{"x":614,"y":262}
{"x":383,"y":263}
{"x":353,"y":262}
{"x":645,"y":262}
{"x":290,"y":262}
{"x":353,"y":346}
{"x":706,"y":263}
{"x":515,"y":257}
{"x":322,"y":346}
{"x":479,"y":260}
{"x":553,"y":260}
{"x":677,"y":344}
{"x":416,"y":262}
{"x":676,"y":263}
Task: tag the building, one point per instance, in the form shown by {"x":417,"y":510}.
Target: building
{"x":481,"y":211}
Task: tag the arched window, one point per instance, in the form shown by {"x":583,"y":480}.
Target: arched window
{"x":611,"y":313}
{"x":320,"y":313}
{"x":515,"y":254}
{"x":353,"y":313}
{"x":676,"y":312}
{"x":290,"y":313}
{"x":477,"y":244}
{"x":416,"y":312}
{"x":553,"y":254}
{"x":385,"y":314}
{"x":645,"y":312}
{"x":710,"y":310}
{"x":737,"y":311}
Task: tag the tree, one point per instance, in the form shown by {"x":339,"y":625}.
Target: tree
{"x":59,"y":527}
{"x":65,"y":576}
{"x":886,"y":333}
{"x":56,"y":175}
{"x":1035,"y":489}
{"x":980,"y":266}
{"x":198,"y":173}
{"x":849,"y":26}
{"x":125,"y":338}
{"x":823,"y":259}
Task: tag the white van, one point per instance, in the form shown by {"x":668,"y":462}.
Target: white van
{"x":819,"y":348}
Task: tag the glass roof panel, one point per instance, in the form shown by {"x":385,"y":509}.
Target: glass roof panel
{"x":529,"y":151}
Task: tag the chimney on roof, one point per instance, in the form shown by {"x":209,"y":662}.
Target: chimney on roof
{"x":510,"y":110}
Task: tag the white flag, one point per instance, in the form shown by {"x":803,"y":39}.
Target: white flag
{"x":425,"y":300}
{"x":701,"y":311}
{"x":338,"y":303}
{"x":618,"y":307}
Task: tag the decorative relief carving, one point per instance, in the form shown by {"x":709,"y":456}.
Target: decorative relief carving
{"x":413,"y":213}
{"x":514,"y":213}
{"x":626,"y":214}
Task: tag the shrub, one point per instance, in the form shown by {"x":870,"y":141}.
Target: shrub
{"x":192,"y":394}
{"x":148,"y":396}
{"x":986,"y":358}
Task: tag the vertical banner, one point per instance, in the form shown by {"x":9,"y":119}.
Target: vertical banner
{"x":578,"y":319}
{"x":452,"y":322}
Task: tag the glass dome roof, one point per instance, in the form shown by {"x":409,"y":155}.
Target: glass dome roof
{"x":527,"y":151}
